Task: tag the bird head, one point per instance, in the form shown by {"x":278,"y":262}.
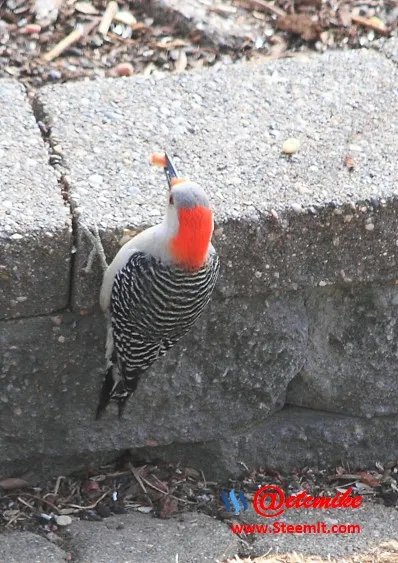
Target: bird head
{"x":189,"y":220}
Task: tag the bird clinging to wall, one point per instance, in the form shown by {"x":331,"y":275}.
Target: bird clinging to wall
{"x":157,"y":286}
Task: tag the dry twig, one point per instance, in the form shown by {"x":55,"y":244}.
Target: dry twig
{"x":109,"y":14}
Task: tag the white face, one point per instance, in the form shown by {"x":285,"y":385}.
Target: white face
{"x":183,"y":196}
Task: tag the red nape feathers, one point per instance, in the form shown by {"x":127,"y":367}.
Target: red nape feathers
{"x":190,"y":246}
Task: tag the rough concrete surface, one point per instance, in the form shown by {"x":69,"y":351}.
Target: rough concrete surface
{"x":26,"y":547}
{"x":304,"y":312}
{"x":51,"y":392}
{"x":389,"y":47}
{"x":35,"y":226}
{"x":377,"y":524}
{"x":296,"y":437}
{"x":353,"y":330}
{"x":108,"y":129}
{"x":134,"y":538}
{"x":196,"y":538}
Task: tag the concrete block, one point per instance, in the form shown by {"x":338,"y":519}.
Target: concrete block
{"x":288,"y":221}
{"x":351,"y":365}
{"x":35,"y":226}
{"x":215,"y":383}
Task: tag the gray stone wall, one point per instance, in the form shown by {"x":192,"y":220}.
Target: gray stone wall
{"x":294,"y":362}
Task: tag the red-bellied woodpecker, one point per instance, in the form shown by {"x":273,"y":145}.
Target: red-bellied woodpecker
{"x":156,"y":287}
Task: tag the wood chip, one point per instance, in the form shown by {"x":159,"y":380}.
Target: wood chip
{"x":263,"y":6}
{"x":222,"y":10}
{"x":300,"y":24}
{"x":86,"y":8}
{"x":169,"y":45}
{"x":371,"y":23}
{"x":31,"y":28}
{"x":107,"y":18}
{"x":66,"y":42}
{"x":13,"y":483}
{"x":69,"y":40}
{"x":181,"y":63}
{"x":122,"y":16}
{"x":345,"y":15}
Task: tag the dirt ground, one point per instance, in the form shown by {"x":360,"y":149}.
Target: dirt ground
{"x":50,"y":41}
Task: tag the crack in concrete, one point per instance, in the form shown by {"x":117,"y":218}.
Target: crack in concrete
{"x":55,"y":161}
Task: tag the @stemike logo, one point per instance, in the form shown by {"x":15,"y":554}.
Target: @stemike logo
{"x":238,"y":502}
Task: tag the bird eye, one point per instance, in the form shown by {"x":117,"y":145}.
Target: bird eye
{"x":171,"y":200}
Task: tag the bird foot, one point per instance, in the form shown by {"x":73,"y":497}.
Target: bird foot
{"x":97,"y":249}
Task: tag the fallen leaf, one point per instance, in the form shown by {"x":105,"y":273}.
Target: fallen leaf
{"x":168,"y":507}
{"x":300,"y":24}
{"x":13,"y":483}
{"x":369,"y":479}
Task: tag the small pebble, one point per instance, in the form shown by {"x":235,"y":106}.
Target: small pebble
{"x":370,"y":227}
{"x":291,"y":146}
{"x":55,"y":74}
{"x":63,"y":520}
{"x":124,"y":69}
{"x":16,"y":236}
{"x":297,"y":208}
{"x":53,"y":538}
{"x":145,"y":509}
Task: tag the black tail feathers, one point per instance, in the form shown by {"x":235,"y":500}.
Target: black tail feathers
{"x":119,"y":393}
{"x":105,"y":396}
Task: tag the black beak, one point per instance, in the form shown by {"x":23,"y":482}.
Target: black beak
{"x":170,"y":170}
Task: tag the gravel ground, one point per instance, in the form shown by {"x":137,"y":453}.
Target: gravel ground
{"x":137,"y":39}
{"x":165,"y":490}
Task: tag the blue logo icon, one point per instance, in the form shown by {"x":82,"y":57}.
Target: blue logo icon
{"x":231,"y":498}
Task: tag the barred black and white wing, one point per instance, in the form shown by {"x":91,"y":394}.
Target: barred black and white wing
{"x":152,"y":306}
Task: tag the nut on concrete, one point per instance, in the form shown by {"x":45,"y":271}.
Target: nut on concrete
{"x":35,"y":229}
{"x":225,"y":128}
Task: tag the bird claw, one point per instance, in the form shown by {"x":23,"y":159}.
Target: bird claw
{"x":97,"y":249}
